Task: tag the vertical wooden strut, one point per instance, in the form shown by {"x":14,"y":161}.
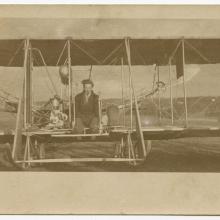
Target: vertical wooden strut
{"x":100,"y":112}
{"x":122,"y":90}
{"x":171,"y":91}
{"x":17,"y":144}
{"x":139,"y":131}
{"x":28,"y":86}
{"x":28,"y":94}
{"x":70,"y":81}
{"x":22,"y":119}
{"x":158,"y":87}
{"x":184,"y":86}
{"x":131,"y":102}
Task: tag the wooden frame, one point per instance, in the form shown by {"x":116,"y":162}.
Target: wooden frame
{"x":126,"y":141}
{"x":25,"y":105}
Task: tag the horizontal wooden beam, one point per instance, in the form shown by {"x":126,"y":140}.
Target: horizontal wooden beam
{"x":80,"y":135}
{"x":69,"y":160}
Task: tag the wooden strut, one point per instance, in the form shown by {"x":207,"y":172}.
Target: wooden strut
{"x":27,"y":160}
{"x":27,"y":152}
{"x":30,"y":151}
{"x":171,"y":92}
{"x":158,"y":93}
{"x":139,"y":131}
{"x":131,"y":151}
{"x":69,"y":160}
{"x":122,"y":90}
{"x":119,"y":156}
{"x":131,"y":103}
{"x":74,"y":109}
{"x":128,"y":146}
{"x":182,"y":44}
{"x":184,"y":86}
{"x":27,"y":100}
{"x":18,"y":130}
{"x":27,"y":86}
{"x":149,"y":146}
{"x":120,"y":149}
{"x":100,"y":113}
{"x":21,"y":120}
{"x":70,"y":81}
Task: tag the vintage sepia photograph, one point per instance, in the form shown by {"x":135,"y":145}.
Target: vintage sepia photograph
{"x":106,"y":94}
{"x":110,"y":109}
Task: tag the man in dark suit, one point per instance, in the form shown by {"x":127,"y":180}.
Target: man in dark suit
{"x":87,"y":109}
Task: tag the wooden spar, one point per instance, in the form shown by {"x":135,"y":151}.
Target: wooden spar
{"x":21,"y":119}
{"x":70,"y":82}
{"x":184,"y":86}
{"x":25,"y":87}
{"x":69,"y":160}
{"x":171,"y":91}
{"x":122,"y":90}
{"x":170,"y":79}
{"x":19,"y":126}
{"x":28,"y":86}
{"x":29,"y":72}
{"x":90,"y":72}
{"x":158,"y":93}
{"x":74,"y":112}
{"x":32,"y":85}
{"x":139,"y":131}
{"x":61,"y":96}
{"x":100,"y":111}
{"x":131,"y":101}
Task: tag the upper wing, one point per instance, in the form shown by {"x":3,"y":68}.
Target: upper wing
{"x":109,"y":51}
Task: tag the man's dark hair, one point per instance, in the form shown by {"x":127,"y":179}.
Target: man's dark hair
{"x":87,"y":81}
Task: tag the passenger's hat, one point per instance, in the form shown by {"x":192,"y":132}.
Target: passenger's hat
{"x":87,"y":81}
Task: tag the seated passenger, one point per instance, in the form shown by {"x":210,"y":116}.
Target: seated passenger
{"x":57,"y":117}
{"x":113,"y":115}
{"x":87,"y":109}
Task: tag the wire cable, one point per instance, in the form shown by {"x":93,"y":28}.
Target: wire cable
{"x":47,"y":71}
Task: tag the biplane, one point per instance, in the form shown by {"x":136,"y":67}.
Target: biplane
{"x":132,"y":139}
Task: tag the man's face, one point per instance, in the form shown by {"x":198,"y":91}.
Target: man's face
{"x":87,"y":88}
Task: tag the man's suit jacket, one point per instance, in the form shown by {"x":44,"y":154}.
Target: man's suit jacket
{"x":90,"y":108}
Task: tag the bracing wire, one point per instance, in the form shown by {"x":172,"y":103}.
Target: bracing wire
{"x":198,"y":52}
{"x":61,"y":54}
{"x":35,"y":59}
{"x":112,"y":52}
{"x":16,"y":52}
{"x":140,"y":55}
{"x":154,"y":90}
{"x":47,"y":71}
{"x":85,"y":52}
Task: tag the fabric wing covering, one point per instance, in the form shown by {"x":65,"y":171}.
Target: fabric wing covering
{"x":110,"y":51}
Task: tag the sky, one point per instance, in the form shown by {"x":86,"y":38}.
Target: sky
{"x":201,"y":80}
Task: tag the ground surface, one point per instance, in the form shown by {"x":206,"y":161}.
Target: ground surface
{"x":180,"y":155}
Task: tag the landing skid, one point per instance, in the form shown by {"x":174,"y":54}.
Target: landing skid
{"x":126,"y":150}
